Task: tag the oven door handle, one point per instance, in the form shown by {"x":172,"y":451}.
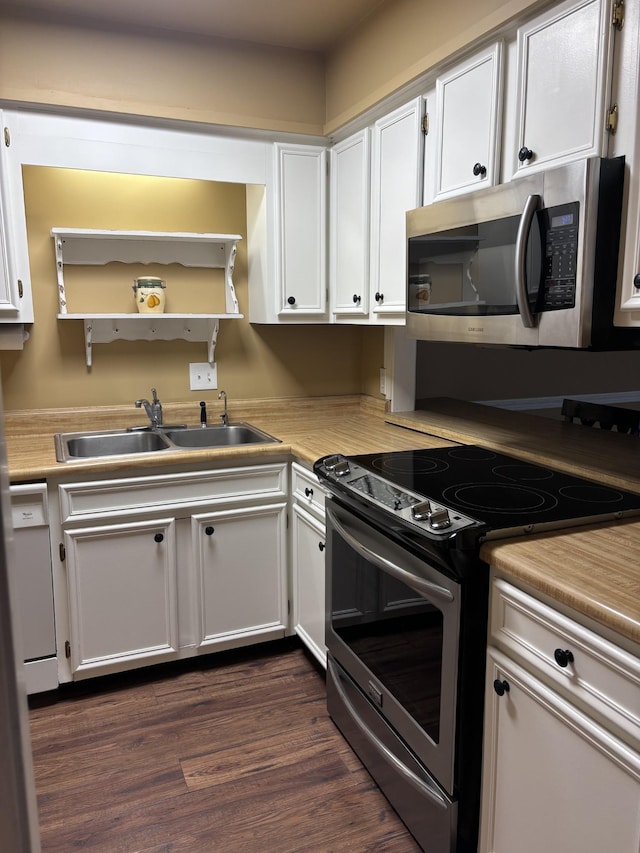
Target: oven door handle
{"x":418,"y":584}
{"x":415,"y":781}
{"x":524,"y":228}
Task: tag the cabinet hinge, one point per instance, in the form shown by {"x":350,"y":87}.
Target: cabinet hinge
{"x":7,"y":137}
{"x":288,"y":607}
{"x":617,"y":15}
{"x":425,"y":124}
{"x":612,"y":120}
{"x":67,"y":649}
{"x":63,"y":553}
{"x":20,"y":288}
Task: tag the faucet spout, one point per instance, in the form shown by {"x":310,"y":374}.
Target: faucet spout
{"x":224,"y":417}
{"x":153,"y":409}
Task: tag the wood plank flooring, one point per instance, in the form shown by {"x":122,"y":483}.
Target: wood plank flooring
{"x":231,"y":753}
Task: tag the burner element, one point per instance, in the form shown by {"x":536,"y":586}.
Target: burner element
{"x":414,"y":463}
{"x":497,"y":497}
{"x":592,"y":493}
{"x":522,"y":472}
{"x":470,"y":453}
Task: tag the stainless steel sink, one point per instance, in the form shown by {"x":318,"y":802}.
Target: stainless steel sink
{"x":219,"y":436}
{"x":92,"y":445}
{"x":113,"y":443}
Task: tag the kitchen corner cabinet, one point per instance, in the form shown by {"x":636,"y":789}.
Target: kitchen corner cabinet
{"x":308,"y":550}
{"x":563,"y":69}
{"x":466,"y":126}
{"x":300,"y":223}
{"x":89,"y":247}
{"x":562,"y":722}
{"x":156,"y":568}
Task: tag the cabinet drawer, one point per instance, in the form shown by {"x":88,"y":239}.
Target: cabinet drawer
{"x":306,"y":488}
{"x":228,"y":485}
{"x":592,"y":671}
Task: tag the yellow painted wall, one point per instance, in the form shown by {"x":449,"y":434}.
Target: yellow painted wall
{"x":220,"y":81}
{"x":215,"y":81}
{"x":401,"y":41}
{"x":253,"y":361}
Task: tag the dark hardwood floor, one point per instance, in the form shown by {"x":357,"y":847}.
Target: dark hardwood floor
{"x":235,"y":752}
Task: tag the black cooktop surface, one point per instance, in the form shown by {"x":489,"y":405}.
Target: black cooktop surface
{"x":497,"y":490}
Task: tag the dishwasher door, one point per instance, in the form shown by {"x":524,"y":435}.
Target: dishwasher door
{"x":30,"y":565}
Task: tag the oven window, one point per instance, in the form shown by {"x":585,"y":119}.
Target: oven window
{"x":395,"y":633}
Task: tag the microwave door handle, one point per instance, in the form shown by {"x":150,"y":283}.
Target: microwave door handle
{"x":530,"y":207}
{"x":418,"y":584}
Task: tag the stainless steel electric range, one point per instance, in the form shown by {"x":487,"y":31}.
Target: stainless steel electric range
{"x":406,"y":612}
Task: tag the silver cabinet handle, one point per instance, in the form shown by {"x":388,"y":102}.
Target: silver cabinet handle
{"x":418,"y":584}
{"x":530,"y":207}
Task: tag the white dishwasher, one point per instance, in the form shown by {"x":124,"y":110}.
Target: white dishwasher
{"x":30,"y":566}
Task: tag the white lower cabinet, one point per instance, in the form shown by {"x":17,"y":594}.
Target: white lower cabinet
{"x":240,"y":554}
{"x":308,"y":550}
{"x":122,"y":593}
{"x":561,"y":767}
{"x":156,"y":568}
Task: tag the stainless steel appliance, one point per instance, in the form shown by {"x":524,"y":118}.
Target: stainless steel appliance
{"x":406,"y":613}
{"x":532,"y":262}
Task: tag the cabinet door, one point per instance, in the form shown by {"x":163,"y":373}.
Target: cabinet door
{"x":308,"y":582}
{"x":350,"y":213}
{"x":10,"y":297}
{"x":395,"y":189}
{"x":240,"y":559}
{"x":467,"y":125}
{"x":553,"y":779}
{"x":122,"y":595}
{"x":563,"y":71}
{"x":301,"y":224}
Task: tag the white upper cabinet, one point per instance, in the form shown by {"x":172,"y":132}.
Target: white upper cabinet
{"x":15,"y":290}
{"x":376,"y":176}
{"x":301,"y":178}
{"x":563,"y":59}
{"x":396,"y":187}
{"x":466,"y":127}
{"x":349,"y":224}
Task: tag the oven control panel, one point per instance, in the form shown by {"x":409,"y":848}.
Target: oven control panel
{"x":429,"y":516}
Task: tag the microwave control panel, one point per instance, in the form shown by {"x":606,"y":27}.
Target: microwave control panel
{"x":561,"y":256}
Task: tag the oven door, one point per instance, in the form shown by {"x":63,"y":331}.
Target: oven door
{"x":393,"y":624}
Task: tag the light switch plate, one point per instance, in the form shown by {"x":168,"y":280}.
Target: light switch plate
{"x":202,"y":376}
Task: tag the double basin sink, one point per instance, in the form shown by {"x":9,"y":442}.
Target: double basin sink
{"x":91,"y":445}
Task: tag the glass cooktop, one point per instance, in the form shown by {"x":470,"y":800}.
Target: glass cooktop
{"x":500,"y":492}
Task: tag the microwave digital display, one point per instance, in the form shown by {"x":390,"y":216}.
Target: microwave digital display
{"x":559,"y":221}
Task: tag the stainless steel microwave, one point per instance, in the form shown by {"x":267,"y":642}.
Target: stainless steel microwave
{"x":532,"y":262}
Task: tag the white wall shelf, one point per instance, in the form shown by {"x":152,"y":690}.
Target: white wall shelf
{"x":90,"y":247}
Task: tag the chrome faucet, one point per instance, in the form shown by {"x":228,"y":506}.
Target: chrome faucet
{"x":153,"y":409}
{"x":224,"y":417}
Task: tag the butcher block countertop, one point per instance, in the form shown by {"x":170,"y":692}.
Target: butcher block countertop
{"x":593,"y":570}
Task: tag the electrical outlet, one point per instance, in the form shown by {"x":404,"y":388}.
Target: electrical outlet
{"x":383,"y":381}
{"x":202,"y":376}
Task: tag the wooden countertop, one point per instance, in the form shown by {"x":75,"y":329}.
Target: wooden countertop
{"x":595,"y":570}
{"x":307,"y":428}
